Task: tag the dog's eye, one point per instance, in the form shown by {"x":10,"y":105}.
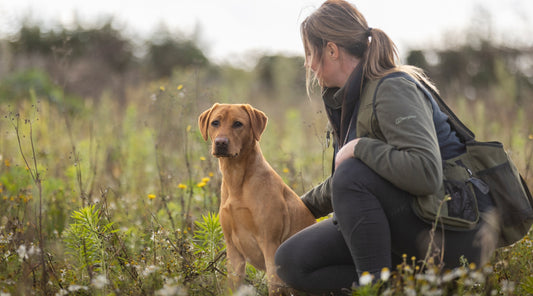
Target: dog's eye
{"x":215,"y":123}
{"x":237,"y":124}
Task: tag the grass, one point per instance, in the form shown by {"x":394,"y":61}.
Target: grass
{"x":101,"y":197}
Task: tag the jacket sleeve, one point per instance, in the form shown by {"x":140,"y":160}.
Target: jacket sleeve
{"x":318,"y":199}
{"x":409,"y":155}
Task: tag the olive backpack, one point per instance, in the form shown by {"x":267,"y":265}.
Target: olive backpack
{"x":485,"y":168}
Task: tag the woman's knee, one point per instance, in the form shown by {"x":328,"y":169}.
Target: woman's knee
{"x":287,"y":268}
{"x":350,"y":175}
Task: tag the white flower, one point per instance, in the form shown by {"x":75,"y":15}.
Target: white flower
{"x":385,"y":274}
{"x":74,"y":288}
{"x":99,"y":281}
{"x":62,"y":292}
{"x":149,"y":270}
{"x":365,"y":279}
{"x":33,"y":250}
{"x":245,"y":290}
{"x":22,"y":253}
{"x":169,"y":290}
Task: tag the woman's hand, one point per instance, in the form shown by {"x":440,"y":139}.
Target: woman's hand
{"x":345,"y":152}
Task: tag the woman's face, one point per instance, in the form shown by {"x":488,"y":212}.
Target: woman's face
{"x":324,"y":68}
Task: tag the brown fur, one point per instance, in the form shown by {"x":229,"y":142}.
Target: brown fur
{"x":258,"y":211}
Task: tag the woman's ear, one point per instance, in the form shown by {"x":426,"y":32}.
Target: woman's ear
{"x":332,"y":50}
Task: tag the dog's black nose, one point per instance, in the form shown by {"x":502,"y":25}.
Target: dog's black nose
{"x":221,"y":142}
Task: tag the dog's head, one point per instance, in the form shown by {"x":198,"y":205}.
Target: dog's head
{"x":232,"y":127}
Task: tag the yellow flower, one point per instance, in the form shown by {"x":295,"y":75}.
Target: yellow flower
{"x":211,"y":174}
{"x":202,"y":158}
{"x":182,"y":186}
{"x":530,"y":136}
{"x":7,"y":163}
{"x":180,"y":87}
{"x":189,"y":128}
{"x":201,"y":184}
{"x":286,"y":170}
{"x":206,"y":179}
{"x":162,"y":88}
{"x":151,"y":196}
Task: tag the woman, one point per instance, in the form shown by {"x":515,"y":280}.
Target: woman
{"x":377,"y":171}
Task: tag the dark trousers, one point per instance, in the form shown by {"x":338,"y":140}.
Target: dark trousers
{"x":373,"y":226}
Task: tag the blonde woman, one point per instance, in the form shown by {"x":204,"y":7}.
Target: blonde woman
{"x":378,"y":169}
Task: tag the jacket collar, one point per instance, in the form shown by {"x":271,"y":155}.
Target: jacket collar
{"x":333,"y":97}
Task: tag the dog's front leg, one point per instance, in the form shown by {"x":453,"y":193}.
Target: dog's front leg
{"x":275,"y":285}
{"x":236,"y":267}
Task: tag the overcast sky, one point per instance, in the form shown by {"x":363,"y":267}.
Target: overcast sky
{"x":230,"y":29}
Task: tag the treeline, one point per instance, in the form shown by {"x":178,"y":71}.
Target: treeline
{"x":88,"y":61}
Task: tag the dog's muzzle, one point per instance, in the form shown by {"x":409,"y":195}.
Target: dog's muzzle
{"x":221,"y":147}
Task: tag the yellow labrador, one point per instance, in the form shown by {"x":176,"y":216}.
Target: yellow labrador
{"x":258,"y":211}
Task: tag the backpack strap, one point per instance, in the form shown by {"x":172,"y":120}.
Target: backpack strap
{"x":464,"y":133}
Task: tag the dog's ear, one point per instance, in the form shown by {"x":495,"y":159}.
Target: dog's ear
{"x":258,"y":120}
{"x":203,"y":121}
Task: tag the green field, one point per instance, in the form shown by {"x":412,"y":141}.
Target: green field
{"x":116,"y":193}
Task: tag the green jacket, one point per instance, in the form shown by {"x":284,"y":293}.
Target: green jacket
{"x":398,"y":142}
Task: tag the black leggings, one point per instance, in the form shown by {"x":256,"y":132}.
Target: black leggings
{"x":373,"y":227}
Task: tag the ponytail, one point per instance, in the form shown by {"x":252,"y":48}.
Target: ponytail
{"x":341,"y":23}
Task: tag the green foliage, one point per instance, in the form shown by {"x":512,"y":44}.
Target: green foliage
{"x":86,"y":238}
{"x":208,"y":236}
{"x":132,"y":171}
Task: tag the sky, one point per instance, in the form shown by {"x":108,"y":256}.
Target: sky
{"x":233,"y":30}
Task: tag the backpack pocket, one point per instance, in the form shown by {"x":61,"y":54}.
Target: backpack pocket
{"x":455,"y":204}
{"x":509,"y":193}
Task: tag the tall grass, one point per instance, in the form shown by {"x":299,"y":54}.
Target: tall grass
{"x":108,"y":197}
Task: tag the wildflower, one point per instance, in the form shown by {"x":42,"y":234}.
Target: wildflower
{"x":286,"y":170}
{"x":149,"y":270}
{"x":507,"y":286}
{"x":365,"y":279}
{"x":180,"y":87}
{"x":448,"y":276}
{"x":7,"y":163}
{"x":21,"y":251}
{"x":202,"y":158}
{"x":245,"y":290}
{"x":211,"y":174}
{"x":162,"y":88}
{"x":201,"y":184}
{"x":99,"y":281}
{"x":189,"y":128}
{"x":151,"y":196}
{"x":75,"y":288}
{"x":206,"y":179}
{"x":168,"y":290}
{"x":530,"y":136}
{"x":33,"y":250}
{"x":182,"y":186}
{"x":385,"y":274}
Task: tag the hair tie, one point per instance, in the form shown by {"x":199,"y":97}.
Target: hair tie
{"x":369,"y":32}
